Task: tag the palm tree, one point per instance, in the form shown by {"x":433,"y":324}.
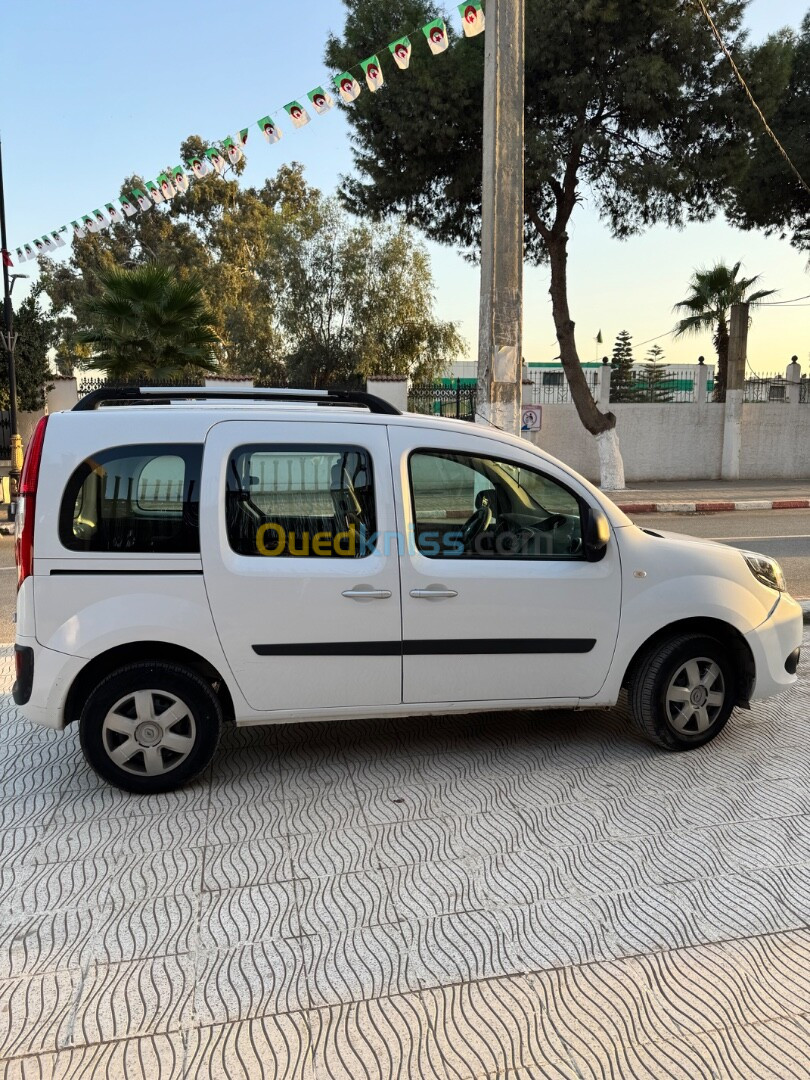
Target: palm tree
{"x":147,"y":324}
{"x":713,"y":292}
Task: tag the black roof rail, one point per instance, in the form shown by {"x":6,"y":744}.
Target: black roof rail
{"x":159,"y":395}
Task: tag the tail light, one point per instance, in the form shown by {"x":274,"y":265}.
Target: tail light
{"x":26,"y":504}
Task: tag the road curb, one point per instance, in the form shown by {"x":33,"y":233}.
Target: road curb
{"x":712,"y":507}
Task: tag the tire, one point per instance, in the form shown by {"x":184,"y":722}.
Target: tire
{"x":664,"y":700}
{"x":157,"y":741}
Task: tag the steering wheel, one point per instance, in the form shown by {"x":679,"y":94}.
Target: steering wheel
{"x":553,"y":521}
{"x":478,"y":521}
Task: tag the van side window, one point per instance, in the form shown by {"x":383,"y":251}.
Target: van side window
{"x":466,"y":506}
{"x":137,"y":499}
{"x":305,"y":501}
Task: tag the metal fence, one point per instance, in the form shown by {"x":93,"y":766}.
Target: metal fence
{"x":85,"y":386}
{"x":551,"y":387}
{"x":456,"y":400}
{"x":765,"y":388}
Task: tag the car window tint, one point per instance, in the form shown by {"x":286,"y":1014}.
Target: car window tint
{"x":138,"y":499}
{"x":304,"y":501}
{"x":466,"y":506}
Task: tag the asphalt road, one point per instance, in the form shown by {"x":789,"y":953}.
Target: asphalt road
{"x":783,"y":534}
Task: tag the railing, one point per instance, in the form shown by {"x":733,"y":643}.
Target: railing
{"x":551,"y":387}
{"x":456,"y":401}
{"x":85,"y":386}
{"x":765,"y":388}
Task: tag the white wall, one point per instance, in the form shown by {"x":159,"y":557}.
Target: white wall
{"x":677,"y":441}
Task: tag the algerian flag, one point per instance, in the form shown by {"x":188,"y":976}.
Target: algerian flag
{"x":101,"y":220}
{"x":401,"y":52}
{"x":233,"y":150}
{"x":90,"y":223}
{"x":29,"y":251}
{"x":242,"y":137}
{"x":321,"y":101}
{"x":297,"y":113}
{"x":199,"y":167}
{"x":41,"y":249}
{"x":270,"y":130}
{"x":57,"y":239}
{"x":216,"y":160}
{"x":127,"y":206}
{"x":436,"y":34}
{"x":348,"y":86}
{"x":116,"y":216}
{"x":472,"y":19}
{"x":78,"y":230}
{"x":179,"y":179}
{"x":20,"y":255}
{"x":48,"y":244}
{"x":166,"y":186}
{"x":373,"y":73}
{"x":142,"y":199}
{"x":153,"y":190}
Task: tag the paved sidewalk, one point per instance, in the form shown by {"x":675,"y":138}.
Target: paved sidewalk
{"x":704,"y":496}
{"x":502,"y":896}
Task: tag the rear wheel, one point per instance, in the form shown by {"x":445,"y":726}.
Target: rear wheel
{"x":682,"y":691}
{"x":150,"y":727}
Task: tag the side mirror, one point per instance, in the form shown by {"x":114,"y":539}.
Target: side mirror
{"x":596,"y":534}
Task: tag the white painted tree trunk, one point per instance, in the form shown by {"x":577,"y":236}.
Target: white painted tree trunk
{"x":611,"y":466}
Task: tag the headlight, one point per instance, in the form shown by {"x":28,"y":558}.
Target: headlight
{"x":766,"y":570}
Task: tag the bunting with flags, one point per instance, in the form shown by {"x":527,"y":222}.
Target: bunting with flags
{"x":230,"y":151}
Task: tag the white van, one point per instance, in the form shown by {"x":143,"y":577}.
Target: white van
{"x":192,"y":557}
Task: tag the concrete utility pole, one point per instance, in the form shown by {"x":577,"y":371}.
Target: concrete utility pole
{"x":735,"y":388}
{"x":500,"y":327}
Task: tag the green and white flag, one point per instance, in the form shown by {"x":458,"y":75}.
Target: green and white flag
{"x":29,"y":251}
{"x":233,"y":150}
{"x":166,"y":186}
{"x":20,"y":255}
{"x":373,"y":73}
{"x":242,"y":137}
{"x":48,"y":244}
{"x":436,"y":35}
{"x":113,"y":213}
{"x":348,"y":86}
{"x":142,"y":199}
{"x":297,"y":113}
{"x":268,"y":128}
{"x":320,"y":100}
{"x":90,"y":223}
{"x":57,"y":238}
{"x":40,"y":247}
{"x":78,"y":230}
{"x":401,"y":52}
{"x":153,"y":190}
{"x":179,"y":179}
{"x":199,"y":167}
{"x":216,"y":160}
{"x":127,"y":207}
{"x":101,"y":220}
{"x":472,"y":19}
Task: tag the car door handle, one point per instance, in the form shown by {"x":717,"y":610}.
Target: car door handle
{"x":434,"y":592}
{"x":365,"y":592}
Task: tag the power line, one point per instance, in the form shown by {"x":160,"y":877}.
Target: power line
{"x":782,"y":303}
{"x":751,"y":97}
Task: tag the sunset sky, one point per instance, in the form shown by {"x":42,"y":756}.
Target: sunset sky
{"x":95,"y":92}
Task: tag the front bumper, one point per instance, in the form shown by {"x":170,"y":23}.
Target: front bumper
{"x":772,"y":644}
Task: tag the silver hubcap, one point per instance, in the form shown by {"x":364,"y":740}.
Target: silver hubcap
{"x":695,"y":696}
{"x":149,"y":732}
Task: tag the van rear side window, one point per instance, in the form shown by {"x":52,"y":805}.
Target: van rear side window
{"x":138,"y":499}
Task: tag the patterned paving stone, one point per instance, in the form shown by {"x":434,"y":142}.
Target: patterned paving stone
{"x":487,"y":897}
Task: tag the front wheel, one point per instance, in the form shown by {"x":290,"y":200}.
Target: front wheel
{"x":683,"y":691}
{"x":150,"y":727}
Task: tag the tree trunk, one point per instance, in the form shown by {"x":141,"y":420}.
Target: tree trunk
{"x":721,"y":344}
{"x":601,"y":425}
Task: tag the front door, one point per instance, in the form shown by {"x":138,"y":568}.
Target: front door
{"x":305,"y":603}
{"x":498,"y":600}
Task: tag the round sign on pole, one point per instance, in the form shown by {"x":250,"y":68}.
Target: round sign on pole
{"x":531,"y":418}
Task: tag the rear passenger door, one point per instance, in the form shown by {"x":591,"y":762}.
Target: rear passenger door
{"x":304,"y":595}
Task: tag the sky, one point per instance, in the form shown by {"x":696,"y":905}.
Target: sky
{"x":93,"y":92}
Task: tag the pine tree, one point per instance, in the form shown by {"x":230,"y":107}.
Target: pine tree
{"x":622,"y":377}
{"x":656,"y":385}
